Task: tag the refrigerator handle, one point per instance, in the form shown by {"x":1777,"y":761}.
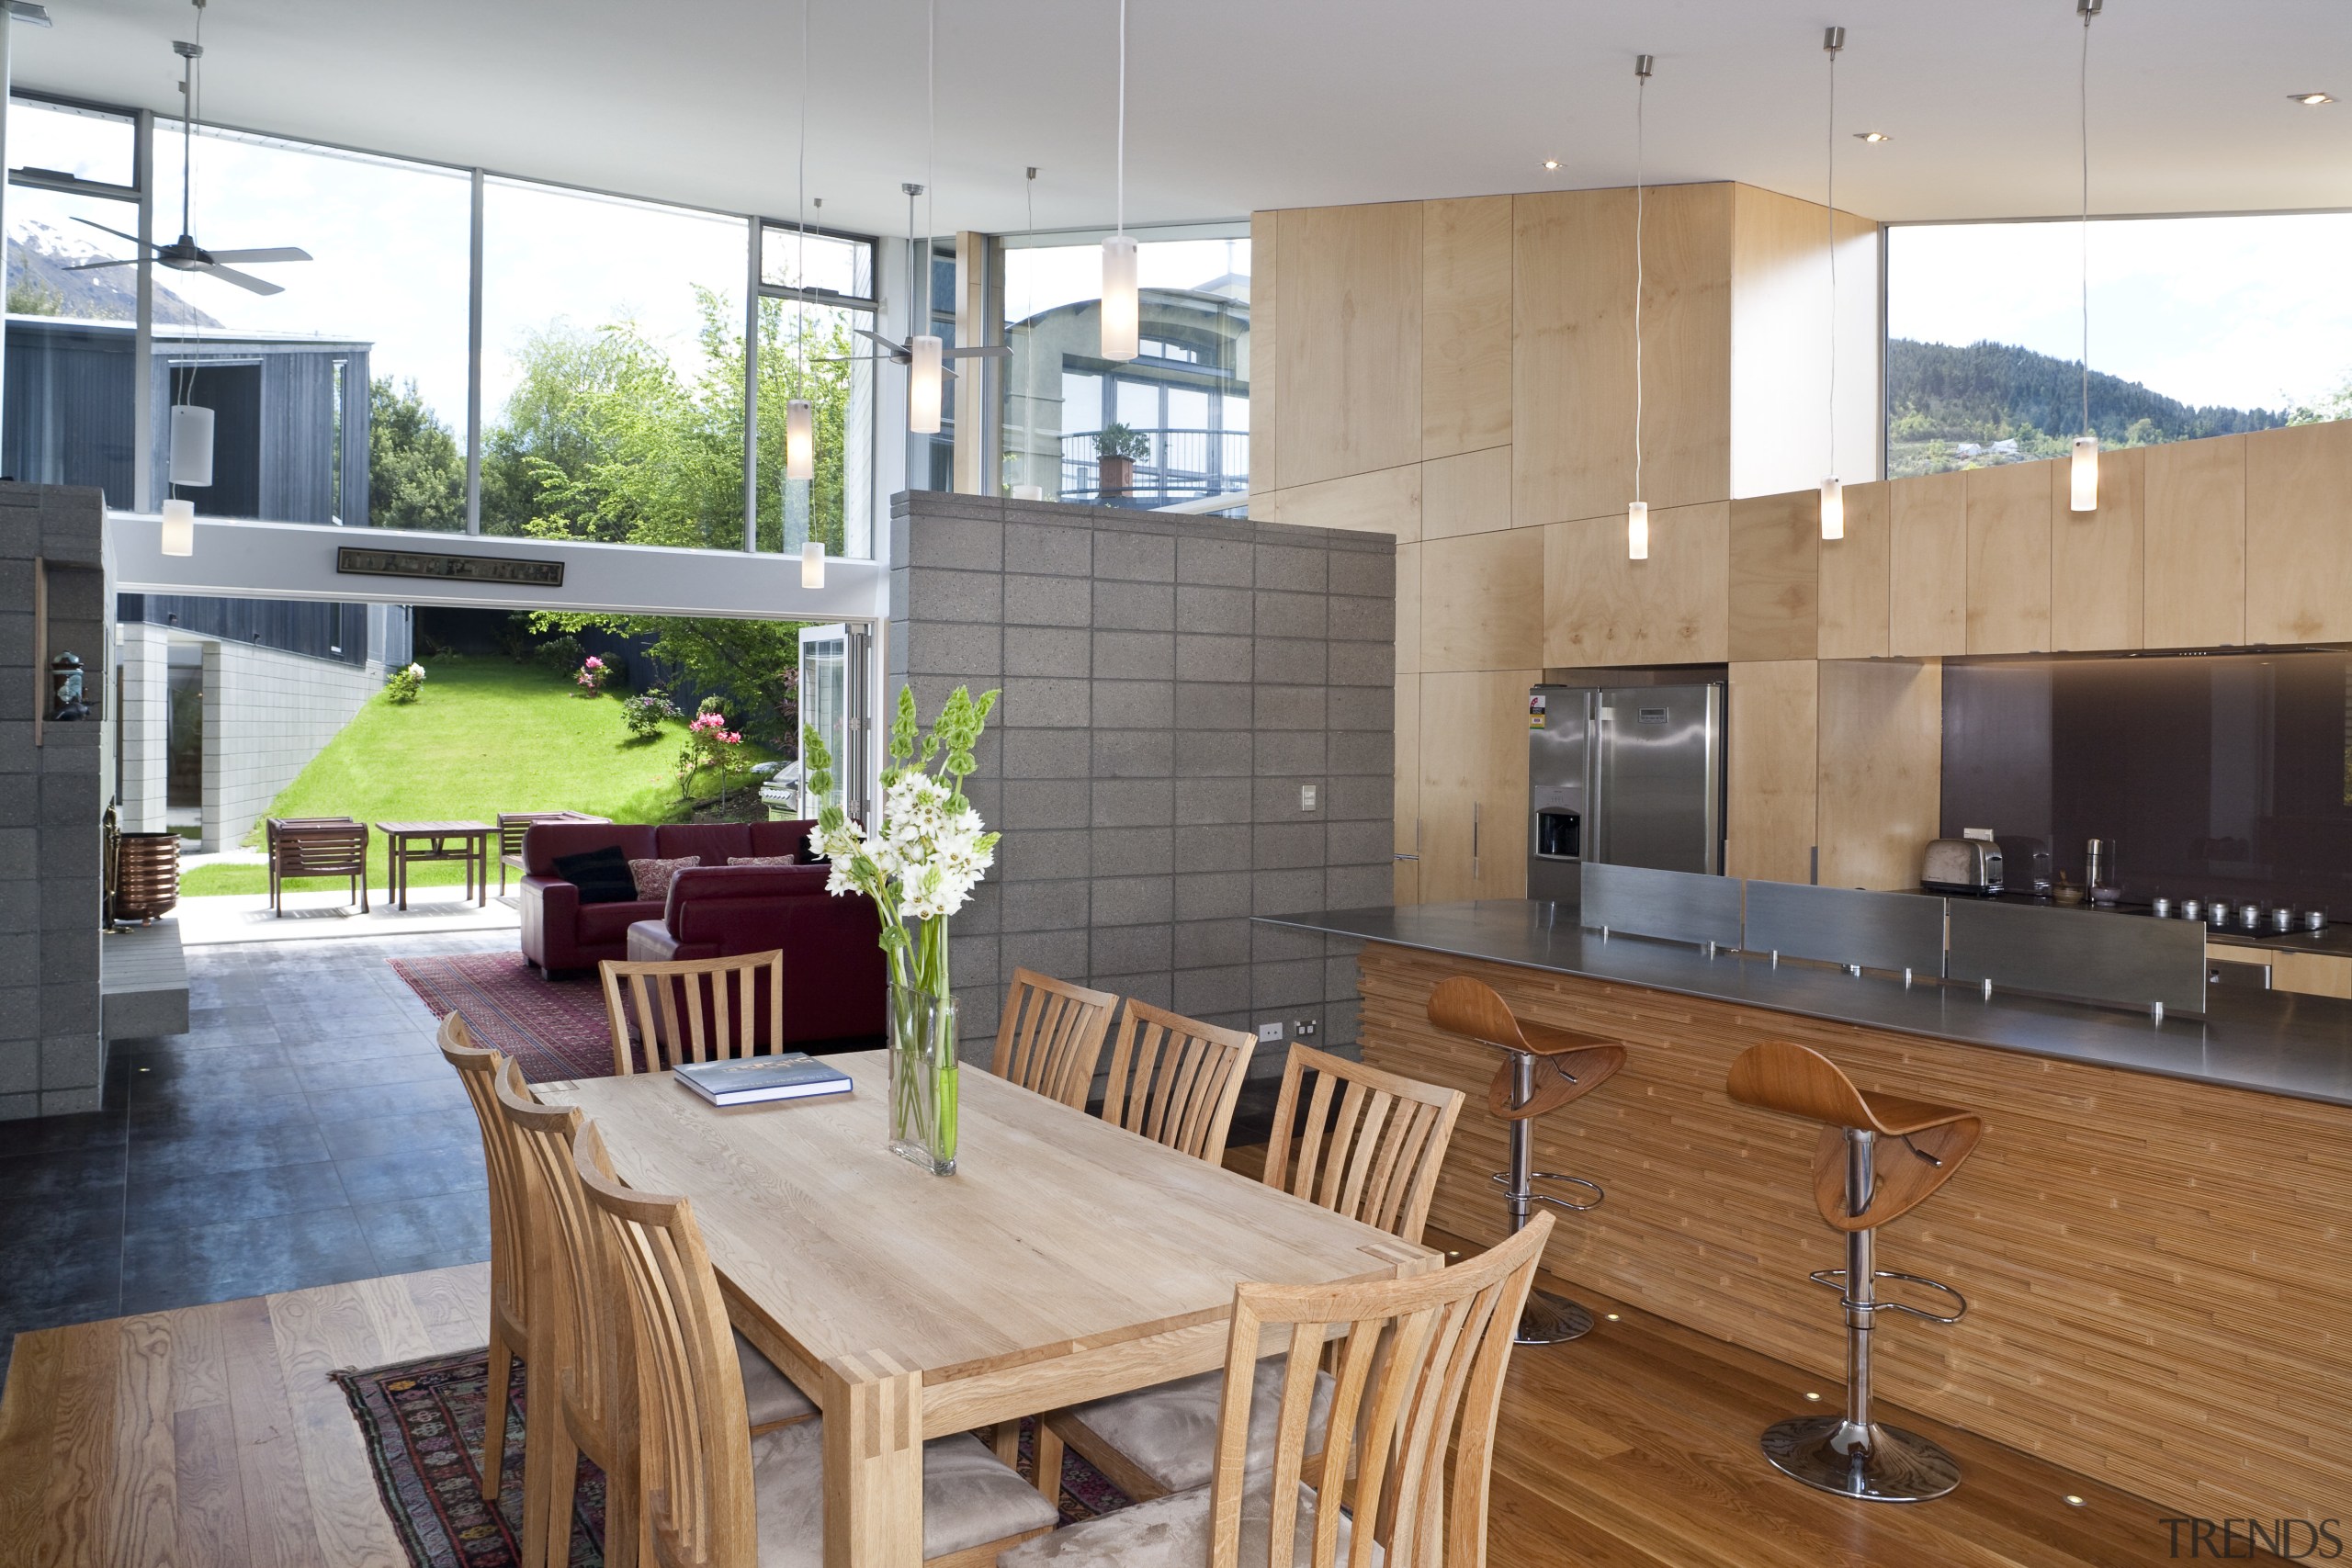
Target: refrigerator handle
{"x":1474,"y":841}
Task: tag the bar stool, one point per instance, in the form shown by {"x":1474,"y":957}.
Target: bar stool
{"x":1577,"y":1064}
{"x":1851,"y":1454}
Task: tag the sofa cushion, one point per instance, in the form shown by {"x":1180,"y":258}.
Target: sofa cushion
{"x":653,"y":877}
{"x":711,"y":842}
{"x":782,"y":839}
{"x":603,"y":925}
{"x":542,"y":842}
{"x":602,"y":875}
{"x":763,"y":860}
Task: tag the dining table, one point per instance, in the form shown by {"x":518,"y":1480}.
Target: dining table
{"x":1066,"y":1260}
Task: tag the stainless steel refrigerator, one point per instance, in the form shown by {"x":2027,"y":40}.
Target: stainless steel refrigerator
{"x":1623,"y":776}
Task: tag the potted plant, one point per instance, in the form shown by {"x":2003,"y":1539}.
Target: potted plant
{"x":918,"y":865}
{"x":1117,"y":449}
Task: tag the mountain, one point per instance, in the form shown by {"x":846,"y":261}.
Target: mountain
{"x":1941,"y":398}
{"x":39,"y":284}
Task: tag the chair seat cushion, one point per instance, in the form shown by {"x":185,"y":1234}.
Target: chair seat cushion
{"x":1172,"y":1532}
{"x":1170,"y":1431}
{"x":969,"y":1497}
{"x":768,"y":1395}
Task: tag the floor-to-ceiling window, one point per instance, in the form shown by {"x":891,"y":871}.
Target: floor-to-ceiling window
{"x":2199,"y":326}
{"x":1169,"y":426}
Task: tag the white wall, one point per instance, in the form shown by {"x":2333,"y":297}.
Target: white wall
{"x":146,"y":721}
{"x":267,"y":713}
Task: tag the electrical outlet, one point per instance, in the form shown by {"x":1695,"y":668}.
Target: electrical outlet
{"x":1303,"y":1029}
{"x":1269,"y":1034}
{"x":1307,"y":794}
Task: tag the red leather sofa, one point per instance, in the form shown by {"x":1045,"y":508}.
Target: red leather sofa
{"x":835,"y":977}
{"x":560,"y":933}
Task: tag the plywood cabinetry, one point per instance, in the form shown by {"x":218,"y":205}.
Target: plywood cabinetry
{"x":1387,"y":501}
{"x":1772,"y":719}
{"x":1882,"y":770}
{"x":2298,"y":534}
{"x":2095,"y":557}
{"x":1408,"y":781}
{"x":1469,"y":494}
{"x":1466,"y":325}
{"x":1673,"y":608}
{"x":2008,"y":558}
{"x":1350,"y":329}
{"x":1854,"y":603}
{"x":1482,"y":600}
{"x":2193,"y":544}
{"x":1927,"y":555}
{"x":1775,"y":576}
{"x":1473,"y":824}
{"x":1266,"y":386}
{"x":1781,"y":344}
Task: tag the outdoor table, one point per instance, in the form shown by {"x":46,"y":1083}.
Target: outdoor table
{"x":410,"y":844}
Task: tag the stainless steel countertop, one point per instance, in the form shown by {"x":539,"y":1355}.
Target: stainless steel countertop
{"x":2269,"y":1042}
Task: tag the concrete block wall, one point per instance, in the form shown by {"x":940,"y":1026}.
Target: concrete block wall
{"x":1170,"y":683}
{"x":143,"y":657}
{"x":267,"y":713}
{"x":52,"y":1055}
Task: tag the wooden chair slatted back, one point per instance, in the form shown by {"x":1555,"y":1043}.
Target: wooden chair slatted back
{"x":1418,"y":1378}
{"x":698,"y":1009}
{"x":510,"y":1200}
{"x":1050,"y":1039}
{"x":318,"y":846}
{"x":598,"y":1376}
{"x":697,"y":1452}
{"x":1176,"y":1081}
{"x":1369,"y":1142}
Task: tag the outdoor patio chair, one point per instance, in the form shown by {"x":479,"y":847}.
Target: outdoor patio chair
{"x":316,"y":846}
{"x":513,"y":825}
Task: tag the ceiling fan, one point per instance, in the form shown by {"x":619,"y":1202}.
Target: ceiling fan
{"x":903,"y":353}
{"x":184,"y":255}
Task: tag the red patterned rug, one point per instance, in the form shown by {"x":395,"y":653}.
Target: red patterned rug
{"x":422,"y":1422}
{"x":555,"y":1028}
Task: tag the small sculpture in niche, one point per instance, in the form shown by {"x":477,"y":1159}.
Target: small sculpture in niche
{"x":67,"y":705}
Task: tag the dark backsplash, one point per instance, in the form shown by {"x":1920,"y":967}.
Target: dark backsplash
{"x":2220,"y":775}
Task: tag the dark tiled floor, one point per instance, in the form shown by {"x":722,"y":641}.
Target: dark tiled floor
{"x":303,"y":1131}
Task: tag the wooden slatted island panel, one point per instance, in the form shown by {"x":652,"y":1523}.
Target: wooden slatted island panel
{"x":2159,"y":1269}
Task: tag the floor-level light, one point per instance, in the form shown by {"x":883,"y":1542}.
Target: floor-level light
{"x":1637,"y":531}
{"x":924,"y":384}
{"x":191,"y":462}
{"x":2084,"y":475}
{"x":799,"y":440}
{"x":179,"y":528}
{"x":1122,"y":300}
{"x":1833,"y":509}
{"x":812,"y":564}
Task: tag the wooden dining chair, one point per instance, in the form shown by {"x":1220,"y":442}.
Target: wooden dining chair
{"x":1176,"y":1081}
{"x":693,"y":1009}
{"x":478,"y":1068}
{"x":1050,"y":1039}
{"x":1346,"y":1137}
{"x":718,"y":1496}
{"x":591,"y":1402}
{"x":1411,"y":1421}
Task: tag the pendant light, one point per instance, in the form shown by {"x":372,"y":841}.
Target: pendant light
{"x":191,"y":449}
{"x":1833,"y":494}
{"x":924,"y":349}
{"x":178,"y":537}
{"x":1122,"y":313}
{"x":191,"y":443}
{"x":1637,"y":515}
{"x":2085,"y":477}
{"x":799,"y":419}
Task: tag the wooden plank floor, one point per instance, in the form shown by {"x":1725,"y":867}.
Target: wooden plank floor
{"x":210,"y":1436}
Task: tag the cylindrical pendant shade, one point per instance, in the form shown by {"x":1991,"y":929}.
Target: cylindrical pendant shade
{"x":799,"y":440}
{"x":1122,"y":306}
{"x":1833,"y":509}
{"x":923,"y":385}
{"x":1637,"y":531}
{"x":2084,"y":475}
{"x":812,"y":564}
{"x":179,"y":528}
{"x":191,"y":444}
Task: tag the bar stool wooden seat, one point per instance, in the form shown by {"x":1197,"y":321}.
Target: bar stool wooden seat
{"x":1860,"y":1181}
{"x":1575,"y":1065}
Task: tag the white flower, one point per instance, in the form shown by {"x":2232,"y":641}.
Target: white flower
{"x":926,"y":849}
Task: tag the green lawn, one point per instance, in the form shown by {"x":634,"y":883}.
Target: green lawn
{"x":488,"y":736}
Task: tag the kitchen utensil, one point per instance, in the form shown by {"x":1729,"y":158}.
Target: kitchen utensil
{"x":2283,"y":920}
{"x":2314,"y":919}
{"x":1961,"y":865}
{"x":2161,"y":909}
{"x":2250,"y":917}
{"x":2192,"y":909}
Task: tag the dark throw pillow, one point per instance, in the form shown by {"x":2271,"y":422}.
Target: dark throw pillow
{"x":601,"y":875}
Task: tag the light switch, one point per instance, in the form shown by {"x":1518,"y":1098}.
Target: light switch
{"x":1269,"y":1034}
{"x":1306,"y":797}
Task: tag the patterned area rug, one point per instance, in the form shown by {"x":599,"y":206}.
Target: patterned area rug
{"x":422,"y":1422}
{"x":556,"y":1028}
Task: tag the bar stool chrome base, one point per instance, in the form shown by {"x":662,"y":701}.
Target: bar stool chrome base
{"x":1548,"y":1319}
{"x":1887,"y":1465}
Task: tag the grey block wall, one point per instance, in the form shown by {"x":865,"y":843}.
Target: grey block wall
{"x":52,"y":1057}
{"x":1170,"y":685}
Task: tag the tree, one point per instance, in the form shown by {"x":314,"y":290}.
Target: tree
{"x":415,"y":477}
{"x":2336,"y":404}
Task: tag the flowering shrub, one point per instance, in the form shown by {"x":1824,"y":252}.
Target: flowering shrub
{"x":405,"y":685}
{"x":714,"y":748}
{"x":591,"y":678}
{"x":646,"y":712}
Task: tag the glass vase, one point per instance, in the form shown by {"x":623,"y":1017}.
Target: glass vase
{"x":924,"y":1078}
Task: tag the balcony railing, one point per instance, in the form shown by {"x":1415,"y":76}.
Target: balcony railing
{"x":1182,"y":465}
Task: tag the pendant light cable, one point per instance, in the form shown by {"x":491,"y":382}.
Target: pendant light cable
{"x":931,"y":145}
{"x":1120,"y":202}
{"x":2089,"y":8}
{"x":1641,"y":98}
{"x":800,"y":256}
{"x":1832,"y":42}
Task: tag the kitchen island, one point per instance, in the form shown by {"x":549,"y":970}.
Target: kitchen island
{"x":2152,"y":1236}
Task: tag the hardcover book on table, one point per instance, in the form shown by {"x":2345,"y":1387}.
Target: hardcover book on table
{"x":794,"y":1075}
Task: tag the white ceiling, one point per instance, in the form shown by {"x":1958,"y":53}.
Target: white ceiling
{"x":1235,"y":105}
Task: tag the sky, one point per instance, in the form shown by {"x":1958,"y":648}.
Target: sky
{"x":2247,"y":312}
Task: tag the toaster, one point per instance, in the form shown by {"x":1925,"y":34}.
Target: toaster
{"x":1961,"y":865}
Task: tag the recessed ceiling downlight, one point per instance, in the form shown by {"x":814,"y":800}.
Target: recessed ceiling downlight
{"x":2310,"y":100}
{"x":1873,"y":137}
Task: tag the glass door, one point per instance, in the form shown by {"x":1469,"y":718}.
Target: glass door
{"x":836,"y":702}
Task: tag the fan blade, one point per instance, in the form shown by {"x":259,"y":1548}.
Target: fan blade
{"x":280,"y":253}
{"x":242,"y":280}
{"x":852,"y":359}
{"x":994,"y":351}
{"x":897,"y":351}
{"x":118,"y":234}
{"x":91,"y":267}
